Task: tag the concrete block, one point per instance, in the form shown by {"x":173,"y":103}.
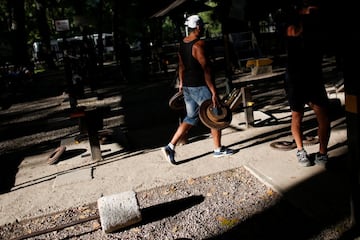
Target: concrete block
{"x":260,"y":66}
{"x":261,"y":70}
{"x":118,"y":211}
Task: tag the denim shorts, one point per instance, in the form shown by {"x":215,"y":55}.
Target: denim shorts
{"x":193,"y":97}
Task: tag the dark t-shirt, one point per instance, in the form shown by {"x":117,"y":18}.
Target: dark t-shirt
{"x":304,"y":82}
{"x":305,"y":52}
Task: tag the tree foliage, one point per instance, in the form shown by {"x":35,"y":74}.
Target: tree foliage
{"x":33,"y":20}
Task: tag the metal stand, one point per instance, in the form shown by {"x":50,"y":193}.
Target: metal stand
{"x":90,"y":122}
{"x":94,"y":123}
{"x":247,"y":104}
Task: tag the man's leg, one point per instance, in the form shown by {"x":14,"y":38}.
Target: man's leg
{"x":219,"y":150}
{"x":301,"y":154}
{"x":323,"y":127}
{"x":180,"y":132}
{"x":296,"y":120}
{"x":216,"y":135}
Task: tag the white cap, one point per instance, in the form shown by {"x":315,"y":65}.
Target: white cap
{"x":193,"y":21}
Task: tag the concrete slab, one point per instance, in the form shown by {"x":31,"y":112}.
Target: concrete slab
{"x":72,"y":177}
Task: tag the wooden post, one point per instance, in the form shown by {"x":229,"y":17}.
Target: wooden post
{"x":93,"y":120}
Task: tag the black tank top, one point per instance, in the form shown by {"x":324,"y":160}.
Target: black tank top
{"x":193,"y":72}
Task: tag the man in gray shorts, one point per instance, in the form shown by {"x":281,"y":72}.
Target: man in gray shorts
{"x":304,"y":82}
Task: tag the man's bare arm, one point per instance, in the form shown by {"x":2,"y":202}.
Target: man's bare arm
{"x":199,"y":54}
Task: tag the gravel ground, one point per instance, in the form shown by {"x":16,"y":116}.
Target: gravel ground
{"x":229,"y":205}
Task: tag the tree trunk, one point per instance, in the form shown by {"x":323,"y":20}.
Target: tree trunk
{"x":21,"y":56}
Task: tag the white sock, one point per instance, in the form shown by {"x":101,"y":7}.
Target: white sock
{"x":217,"y":149}
{"x":171,"y":146}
